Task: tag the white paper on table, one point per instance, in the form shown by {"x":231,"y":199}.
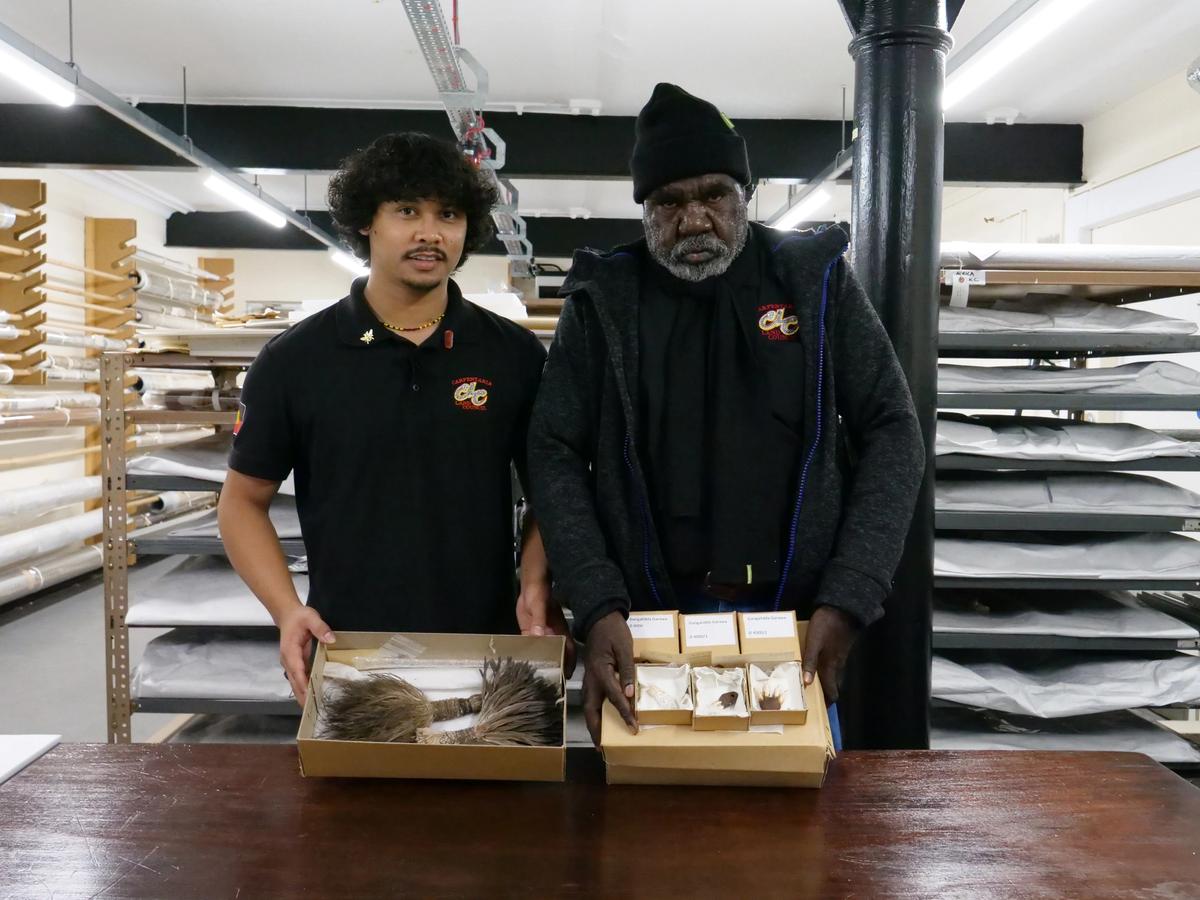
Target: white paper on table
{"x":19,"y":750}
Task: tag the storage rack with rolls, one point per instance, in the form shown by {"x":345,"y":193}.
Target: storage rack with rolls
{"x":122,"y":549}
{"x":55,"y":317}
{"x":1110,"y":276}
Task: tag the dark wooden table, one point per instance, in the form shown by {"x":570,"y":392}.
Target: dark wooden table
{"x":237,"y":821}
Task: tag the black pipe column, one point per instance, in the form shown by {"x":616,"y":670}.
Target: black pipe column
{"x":899,"y":50}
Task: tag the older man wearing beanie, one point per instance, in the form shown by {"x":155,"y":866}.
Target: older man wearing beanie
{"x":722,"y":423}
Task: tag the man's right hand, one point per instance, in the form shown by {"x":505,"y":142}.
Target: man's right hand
{"x":296,"y":632}
{"x":609,"y":673}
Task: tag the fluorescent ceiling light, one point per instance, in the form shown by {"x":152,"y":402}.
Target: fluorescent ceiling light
{"x":802,"y":211}
{"x":1025,"y":34}
{"x":350,"y":263}
{"x":23,"y":70}
{"x":243,"y":198}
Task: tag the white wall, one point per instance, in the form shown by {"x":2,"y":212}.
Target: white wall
{"x":1017,"y":214}
{"x":1156,"y":124}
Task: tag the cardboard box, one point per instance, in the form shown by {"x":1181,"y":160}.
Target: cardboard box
{"x":655,"y":635}
{"x":729,"y":721}
{"x":365,"y":759}
{"x":707,"y":636}
{"x":784,"y":756}
{"x":776,"y":716}
{"x":765,"y":756}
{"x":661,"y":716}
{"x":769,"y":635}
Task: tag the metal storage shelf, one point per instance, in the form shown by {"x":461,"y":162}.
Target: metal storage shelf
{"x":1068,"y":584}
{"x":995,"y":641}
{"x":169,"y":483}
{"x":215,"y":706}
{"x":965,"y":462}
{"x":1003,"y":520}
{"x":170,"y":545}
{"x":197,"y":418}
{"x":121,"y":547}
{"x":184,"y":361}
{"x":1063,"y":345}
{"x":1114,"y":287}
{"x":1066,"y":401}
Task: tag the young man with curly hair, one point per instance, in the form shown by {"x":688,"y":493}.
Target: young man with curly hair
{"x":400,"y":409}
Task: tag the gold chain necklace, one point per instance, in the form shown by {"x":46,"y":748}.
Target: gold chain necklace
{"x":390,"y":327}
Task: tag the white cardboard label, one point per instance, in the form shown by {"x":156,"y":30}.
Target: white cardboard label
{"x":644,"y":626}
{"x":770,"y":625}
{"x":715,"y":630}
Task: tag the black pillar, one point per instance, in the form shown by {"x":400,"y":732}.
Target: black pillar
{"x":899,"y":49}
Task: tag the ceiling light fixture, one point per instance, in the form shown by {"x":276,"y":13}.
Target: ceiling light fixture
{"x":28,"y":72}
{"x":802,"y":211}
{"x":350,"y":263}
{"x":1009,"y":46}
{"x":244,"y":199}
{"x":802,"y":205}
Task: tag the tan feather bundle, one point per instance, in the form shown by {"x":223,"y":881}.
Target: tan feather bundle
{"x":387,"y":709}
{"x":518,"y":708}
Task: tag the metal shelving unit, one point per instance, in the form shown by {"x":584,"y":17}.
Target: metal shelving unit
{"x":1072,"y":402}
{"x":121,"y":550}
{"x":1004,"y":520}
{"x":989,"y":641}
{"x":1150,"y":583}
{"x":963,"y":462}
{"x":1113,"y":287}
{"x":1006,"y":345}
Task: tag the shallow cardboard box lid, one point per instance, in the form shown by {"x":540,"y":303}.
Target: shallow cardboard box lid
{"x":363,"y":759}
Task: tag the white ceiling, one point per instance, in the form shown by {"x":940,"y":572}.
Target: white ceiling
{"x":769,"y":58}
{"x":763,"y":58}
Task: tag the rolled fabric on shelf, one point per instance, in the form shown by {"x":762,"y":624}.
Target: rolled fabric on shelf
{"x":44,"y":497}
{"x":44,"y":400}
{"x":155,"y":380}
{"x":50,"y":418}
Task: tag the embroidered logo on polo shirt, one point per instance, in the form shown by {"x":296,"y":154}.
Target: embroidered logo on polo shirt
{"x":778,"y":321}
{"x":368,"y":336}
{"x":241,"y":417}
{"x":471,"y":393}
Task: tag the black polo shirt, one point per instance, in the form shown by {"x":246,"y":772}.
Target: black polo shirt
{"x":402,"y":461}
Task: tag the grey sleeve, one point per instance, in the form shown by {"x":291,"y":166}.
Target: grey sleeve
{"x":562,"y":439}
{"x":876,"y":407}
